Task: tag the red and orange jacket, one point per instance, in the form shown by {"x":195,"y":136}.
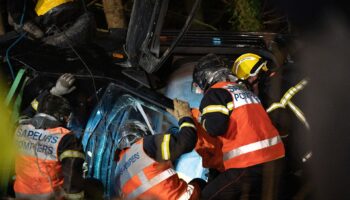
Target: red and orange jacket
{"x":239,"y":126}
{"x":140,"y":176}
{"x":43,"y":154}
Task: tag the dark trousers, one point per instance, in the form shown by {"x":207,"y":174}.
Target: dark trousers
{"x":234,"y":184}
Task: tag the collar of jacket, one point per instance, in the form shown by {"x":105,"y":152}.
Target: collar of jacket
{"x":222,"y":83}
{"x":44,"y":121}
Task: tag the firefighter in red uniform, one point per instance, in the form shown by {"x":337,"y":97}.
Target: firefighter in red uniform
{"x":50,"y":158}
{"x":144,"y":168}
{"x":285,"y":109}
{"x":232,"y":117}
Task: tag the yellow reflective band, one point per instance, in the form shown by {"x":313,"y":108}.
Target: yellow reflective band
{"x":215,"y":108}
{"x":300,"y":115}
{"x":288,"y":95}
{"x":44,"y":6}
{"x":79,"y":195}
{"x":187,"y":124}
{"x":230,"y":106}
{"x":286,"y":101}
{"x":71,"y":154}
{"x":35,"y":104}
{"x":165,"y":147}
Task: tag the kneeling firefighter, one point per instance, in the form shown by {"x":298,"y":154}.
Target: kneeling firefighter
{"x":50,"y":158}
{"x":144,"y":161}
{"x":54,"y":22}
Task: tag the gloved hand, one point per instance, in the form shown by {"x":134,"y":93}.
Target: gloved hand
{"x":64,"y":85}
{"x":33,"y":30}
{"x":30,"y":27}
{"x":181,"y":109}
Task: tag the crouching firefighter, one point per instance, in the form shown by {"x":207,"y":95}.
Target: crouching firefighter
{"x":50,"y":158}
{"x":144,"y":167}
{"x":64,"y":85}
{"x":234,"y":121}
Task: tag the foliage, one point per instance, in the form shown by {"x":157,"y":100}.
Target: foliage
{"x":6,"y":143}
{"x":245,"y":15}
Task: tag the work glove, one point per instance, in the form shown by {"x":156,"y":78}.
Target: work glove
{"x":181,"y":109}
{"x":64,"y":85}
{"x":30,"y":27}
{"x":33,"y":30}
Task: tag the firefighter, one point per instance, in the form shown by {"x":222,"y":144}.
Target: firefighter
{"x":232,"y":117}
{"x":285,"y":112}
{"x":50,"y":158}
{"x":54,"y":22}
{"x":64,"y":85}
{"x":144,"y":161}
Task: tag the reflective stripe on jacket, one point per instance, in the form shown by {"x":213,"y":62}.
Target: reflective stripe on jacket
{"x":38,"y":169}
{"x":250,"y":138}
{"x":138,"y":176}
{"x":44,"y":6}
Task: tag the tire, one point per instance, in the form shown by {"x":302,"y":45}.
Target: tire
{"x":79,"y":33}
